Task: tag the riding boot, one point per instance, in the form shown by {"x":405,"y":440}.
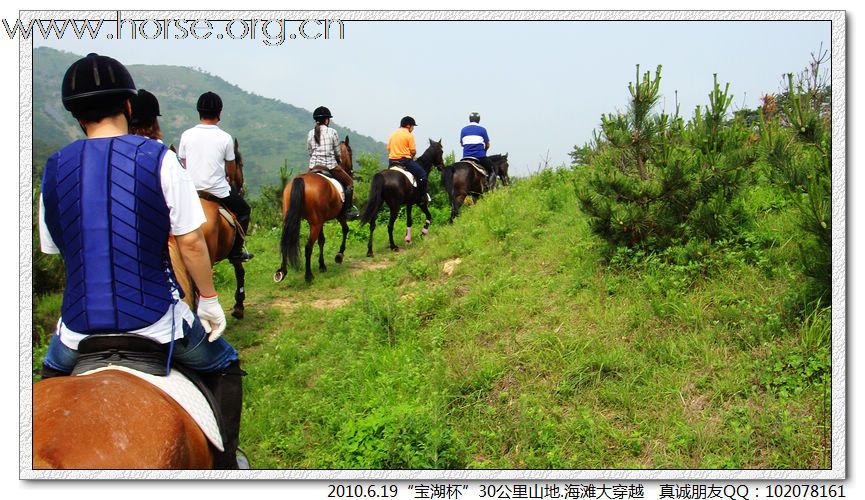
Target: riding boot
{"x":48,"y":372}
{"x":347,"y":206}
{"x":491,"y":180}
{"x":227,"y":388}
{"x":422,"y":191}
{"x":238,"y":252}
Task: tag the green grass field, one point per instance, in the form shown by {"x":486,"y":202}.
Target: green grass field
{"x":506,"y":341}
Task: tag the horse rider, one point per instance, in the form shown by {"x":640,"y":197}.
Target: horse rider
{"x":401,"y":149}
{"x":144,"y":121}
{"x":208,"y":152}
{"x":99,"y":195}
{"x":476,"y":142}
{"x":322,"y":144}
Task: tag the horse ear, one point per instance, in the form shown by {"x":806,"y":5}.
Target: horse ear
{"x":440,"y":141}
{"x":505,"y":155}
{"x":346,"y":140}
{"x":431,"y":142}
{"x":235,"y":142}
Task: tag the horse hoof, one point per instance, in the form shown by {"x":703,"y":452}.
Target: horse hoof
{"x":338,"y":258}
{"x":308,"y":278}
{"x":237,"y":313}
{"x":395,"y":249}
{"x":424,"y":232}
{"x":408,"y":241}
{"x":369,"y":254}
{"x":278,"y":276}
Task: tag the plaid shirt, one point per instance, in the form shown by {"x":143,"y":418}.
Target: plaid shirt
{"x":326,"y":152}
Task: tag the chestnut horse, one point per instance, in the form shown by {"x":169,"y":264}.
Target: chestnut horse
{"x":312,"y":197}
{"x":114,"y":420}
{"x":220,"y":234}
{"x":393,"y":189}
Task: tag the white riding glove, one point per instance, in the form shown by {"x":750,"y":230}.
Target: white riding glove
{"x":212,"y":316}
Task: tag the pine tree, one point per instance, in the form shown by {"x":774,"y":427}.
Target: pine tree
{"x":656,"y":181}
{"x":796,"y":142}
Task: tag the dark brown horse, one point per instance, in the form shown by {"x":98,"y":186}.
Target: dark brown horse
{"x":393,"y":188}
{"x":220,"y":234}
{"x":114,"y":420}
{"x":462,"y":179}
{"x":312,"y":197}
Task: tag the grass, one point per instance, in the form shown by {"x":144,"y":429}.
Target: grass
{"x":531,"y":352}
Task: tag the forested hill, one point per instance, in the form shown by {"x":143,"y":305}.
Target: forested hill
{"x":269,"y":131}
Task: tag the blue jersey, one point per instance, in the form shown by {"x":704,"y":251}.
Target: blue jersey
{"x":473,"y":139}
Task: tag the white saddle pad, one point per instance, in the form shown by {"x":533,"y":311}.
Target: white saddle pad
{"x":337,"y":185}
{"x":182,"y":390}
{"x":406,"y":173}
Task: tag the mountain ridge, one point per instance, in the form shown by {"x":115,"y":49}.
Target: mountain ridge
{"x":270,"y":132}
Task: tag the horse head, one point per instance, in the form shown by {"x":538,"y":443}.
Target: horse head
{"x":433,"y":155}
{"x":345,"y":157}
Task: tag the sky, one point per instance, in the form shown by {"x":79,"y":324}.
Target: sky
{"x":546,"y":88}
{"x":540,"y":86}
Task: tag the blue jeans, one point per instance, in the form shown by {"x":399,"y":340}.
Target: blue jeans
{"x":414,"y":167}
{"x":192,"y":351}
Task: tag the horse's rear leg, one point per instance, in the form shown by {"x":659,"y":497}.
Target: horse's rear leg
{"x":394,"y":213}
{"x":408,"y":223}
{"x":371,"y":230}
{"x":239,"y":293}
{"x":321,"y":266}
{"x":455,"y":206}
{"x":344,"y":224}
{"x":314,"y":231}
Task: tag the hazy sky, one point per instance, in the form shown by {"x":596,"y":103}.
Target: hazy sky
{"x":540,"y":86}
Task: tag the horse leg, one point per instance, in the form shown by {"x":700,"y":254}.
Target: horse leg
{"x":239,"y":293}
{"x":427,"y":222}
{"x":408,"y":223}
{"x":321,"y":266}
{"x":344,"y":224}
{"x":455,"y":206}
{"x":394,"y":213}
{"x":371,"y":230}
{"x":314,"y":231}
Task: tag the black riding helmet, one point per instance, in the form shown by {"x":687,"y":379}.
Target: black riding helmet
{"x":407,"y":121}
{"x":145,"y":108}
{"x":209,"y":103}
{"x":475,"y":117}
{"x":93,"y":80}
{"x":321,"y":113}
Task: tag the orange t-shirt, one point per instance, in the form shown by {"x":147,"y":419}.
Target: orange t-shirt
{"x":401,"y":144}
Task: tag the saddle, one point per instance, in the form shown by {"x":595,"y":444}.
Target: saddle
{"x":401,"y":169}
{"x":147,"y":359}
{"x":225,"y":213}
{"x":476,"y":164}
{"x":327,"y":174}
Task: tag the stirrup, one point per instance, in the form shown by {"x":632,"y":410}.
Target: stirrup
{"x":243,"y":256}
{"x":242,"y":460}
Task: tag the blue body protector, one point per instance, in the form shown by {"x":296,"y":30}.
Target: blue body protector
{"x":106,"y":212}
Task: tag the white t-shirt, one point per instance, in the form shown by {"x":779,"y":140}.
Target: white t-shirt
{"x":185,"y":214}
{"x":206,"y":148}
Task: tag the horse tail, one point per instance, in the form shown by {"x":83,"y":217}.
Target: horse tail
{"x":448,"y":179}
{"x":373,"y":205}
{"x":290,"y":241}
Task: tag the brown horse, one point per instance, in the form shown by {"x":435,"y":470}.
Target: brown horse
{"x":461,"y":179}
{"x":220,"y":234}
{"x":312,"y":197}
{"x":114,"y":420}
